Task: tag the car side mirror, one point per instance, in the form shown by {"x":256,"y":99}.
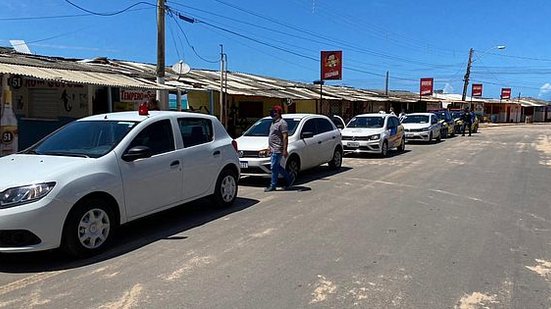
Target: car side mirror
{"x":137,"y":152}
{"x":307,"y":134}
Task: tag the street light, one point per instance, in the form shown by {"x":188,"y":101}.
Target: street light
{"x":468,"y":72}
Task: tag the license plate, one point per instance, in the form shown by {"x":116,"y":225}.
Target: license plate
{"x":409,"y":135}
{"x":353,"y":144}
{"x":244,"y":164}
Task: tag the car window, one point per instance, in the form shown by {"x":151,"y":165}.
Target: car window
{"x":434,"y":120}
{"x":195,"y":131}
{"x":324,"y":125}
{"x":157,"y":136}
{"x":310,"y":126}
{"x":338,"y":122}
{"x":417,"y":119}
{"x":84,"y":138}
{"x":262,"y":127}
{"x":366,"y":122}
{"x":395,"y":121}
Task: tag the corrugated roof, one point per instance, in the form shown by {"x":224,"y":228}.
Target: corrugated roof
{"x":80,"y":77}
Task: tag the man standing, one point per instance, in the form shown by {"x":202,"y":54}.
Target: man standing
{"x":467,"y":121}
{"x":277,"y":142}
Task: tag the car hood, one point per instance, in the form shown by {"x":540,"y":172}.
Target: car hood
{"x":252,"y":142}
{"x":361,"y":131}
{"x":415,"y":125}
{"x":25,"y":169}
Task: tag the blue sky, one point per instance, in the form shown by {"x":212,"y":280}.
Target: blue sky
{"x":410,"y":39}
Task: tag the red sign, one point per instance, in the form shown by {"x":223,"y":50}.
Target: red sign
{"x":477,"y":90}
{"x":505,"y":93}
{"x":331,"y":65}
{"x":426,"y":86}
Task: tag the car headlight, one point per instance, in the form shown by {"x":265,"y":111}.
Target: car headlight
{"x":25,"y":194}
{"x":374,"y":137}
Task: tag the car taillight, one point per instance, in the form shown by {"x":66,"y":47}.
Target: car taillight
{"x":234,"y":144}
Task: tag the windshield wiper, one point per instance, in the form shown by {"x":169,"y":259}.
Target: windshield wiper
{"x":68,"y":154}
{"x":32,"y":151}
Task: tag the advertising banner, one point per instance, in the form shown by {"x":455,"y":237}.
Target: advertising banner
{"x":477,"y":90}
{"x":136,"y":96}
{"x":331,"y":65}
{"x":426,"y":86}
{"x":505,"y":93}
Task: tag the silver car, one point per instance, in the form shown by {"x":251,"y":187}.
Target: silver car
{"x":422,"y":127}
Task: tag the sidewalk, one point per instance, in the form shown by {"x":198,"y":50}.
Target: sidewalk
{"x":510,"y":124}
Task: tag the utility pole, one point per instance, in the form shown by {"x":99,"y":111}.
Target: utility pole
{"x":467,"y":75}
{"x":386,"y":84}
{"x":222,"y":85}
{"x":161,"y":52}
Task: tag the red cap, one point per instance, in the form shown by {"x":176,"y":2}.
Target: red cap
{"x":278,"y":109}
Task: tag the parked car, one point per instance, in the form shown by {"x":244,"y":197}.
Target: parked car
{"x":447,"y":122}
{"x":77,"y":185}
{"x":422,"y":126}
{"x":373,"y":133}
{"x":313,"y":141}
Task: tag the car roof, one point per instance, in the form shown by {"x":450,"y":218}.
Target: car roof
{"x":421,"y":114}
{"x":298,"y":116}
{"x":374,"y":115}
{"x":134,"y":116}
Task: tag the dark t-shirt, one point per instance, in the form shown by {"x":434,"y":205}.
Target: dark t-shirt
{"x":275,"y":139}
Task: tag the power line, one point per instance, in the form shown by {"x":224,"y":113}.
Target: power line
{"x":58,"y":16}
{"x":109,"y":14}
{"x":187,"y":40}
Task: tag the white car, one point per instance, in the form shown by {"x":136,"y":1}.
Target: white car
{"x":373,"y":133}
{"x":422,"y":127}
{"x":313,"y":140}
{"x":77,"y":185}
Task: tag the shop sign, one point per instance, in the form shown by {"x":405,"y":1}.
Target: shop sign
{"x":36,"y":83}
{"x":331,"y":65}
{"x":135,"y":96}
{"x":505,"y":93}
{"x":477,"y":90}
{"x":426,"y":86}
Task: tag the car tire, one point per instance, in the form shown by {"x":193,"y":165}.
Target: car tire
{"x":439,"y":138}
{"x":293,"y":166}
{"x":430,"y":138}
{"x":89,"y":228}
{"x":445,"y":133}
{"x":384,"y":149}
{"x":402,"y":146}
{"x":226,"y":189}
{"x":336,"y":161}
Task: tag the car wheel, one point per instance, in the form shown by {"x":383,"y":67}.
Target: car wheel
{"x":430,"y":137}
{"x":293,"y":167}
{"x":445,"y":133}
{"x":225,"y":192}
{"x":475,"y":129}
{"x":439,"y":138}
{"x":89,"y":228}
{"x":402,"y":146}
{"x":384,"y":149}
{"x":336,"y":162}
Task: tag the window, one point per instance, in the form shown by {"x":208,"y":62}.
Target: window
{"x":195,"y":131}
{"x":310,"y":126}
{"x":251,"y":109}
{"x":157,"y":136}
{"x":324,"y":125}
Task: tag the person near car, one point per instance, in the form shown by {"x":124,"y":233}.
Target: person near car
{"x":277,"y":147}
{"x":153,"y":104}
{"x":392,"y":111}
{"x":382,"y":110}
{"x":467,"y":121}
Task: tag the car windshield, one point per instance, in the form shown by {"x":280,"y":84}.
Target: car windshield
{"x":88,"y":139}
{"x":416,"y":119}
{"x":457,"y":114}
{"x":262,"y":127}
{"x":366,"y":122}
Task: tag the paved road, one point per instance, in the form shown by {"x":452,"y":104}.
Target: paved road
{"x":464,"y":223}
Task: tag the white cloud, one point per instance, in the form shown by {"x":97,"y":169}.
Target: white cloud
{"x":545,"y":90}
{"x":448,"y":88}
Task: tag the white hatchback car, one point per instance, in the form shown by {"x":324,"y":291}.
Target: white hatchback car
{"x":75,"y":186}
{"x":313,"y":140}
{"x":373,"y":133}
{"x":422,"y":126}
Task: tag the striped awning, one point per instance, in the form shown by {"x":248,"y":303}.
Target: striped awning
{"x":80,"y":77}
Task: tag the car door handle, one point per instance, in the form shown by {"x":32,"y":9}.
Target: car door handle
{"x":174,"y":163}
{"x":319,"y":142}
{"x":216,"y":153}
{"x":334,"y":137}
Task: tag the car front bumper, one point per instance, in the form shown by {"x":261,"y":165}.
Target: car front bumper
{"x":255,"y":166}
{"x":418,"y":136}
{"x":373,"y":146}
{"x":32,"y":227}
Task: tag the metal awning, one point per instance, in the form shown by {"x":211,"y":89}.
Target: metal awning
{"x":80,"y":77}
